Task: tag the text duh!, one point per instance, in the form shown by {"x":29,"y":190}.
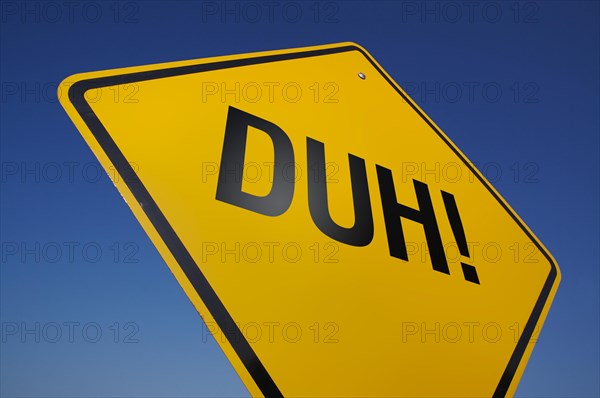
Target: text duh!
{"x":279,"y":199}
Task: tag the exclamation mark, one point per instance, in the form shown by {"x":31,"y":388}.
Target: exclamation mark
{"x":469,"y":271}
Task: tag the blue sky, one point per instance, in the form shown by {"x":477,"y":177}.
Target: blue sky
{"x":514,"y":84}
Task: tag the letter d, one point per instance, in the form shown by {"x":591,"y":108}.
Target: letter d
{"x":229,"y":187}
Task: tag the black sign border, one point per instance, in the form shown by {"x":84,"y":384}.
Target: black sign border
{"x":203,"y":288}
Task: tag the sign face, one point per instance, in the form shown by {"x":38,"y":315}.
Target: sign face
{"x":332,"y":237}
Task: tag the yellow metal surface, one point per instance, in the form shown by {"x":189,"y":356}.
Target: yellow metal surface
{"x":321,"y":317}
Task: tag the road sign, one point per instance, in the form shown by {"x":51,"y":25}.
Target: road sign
{"x":332,"y":237}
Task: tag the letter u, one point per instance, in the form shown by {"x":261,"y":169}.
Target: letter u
{"x":361,"y":233}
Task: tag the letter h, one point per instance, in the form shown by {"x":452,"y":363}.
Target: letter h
{"x":393,"y":212}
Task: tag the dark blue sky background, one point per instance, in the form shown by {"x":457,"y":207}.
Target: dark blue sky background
{"x":540,"y":132}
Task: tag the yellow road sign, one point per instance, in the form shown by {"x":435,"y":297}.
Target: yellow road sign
{"x":332,"y":237}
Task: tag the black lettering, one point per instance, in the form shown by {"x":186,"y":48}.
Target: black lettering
{"x":393,"y":212}
{"x":361,"y":233}
{"x":229,"y":187}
